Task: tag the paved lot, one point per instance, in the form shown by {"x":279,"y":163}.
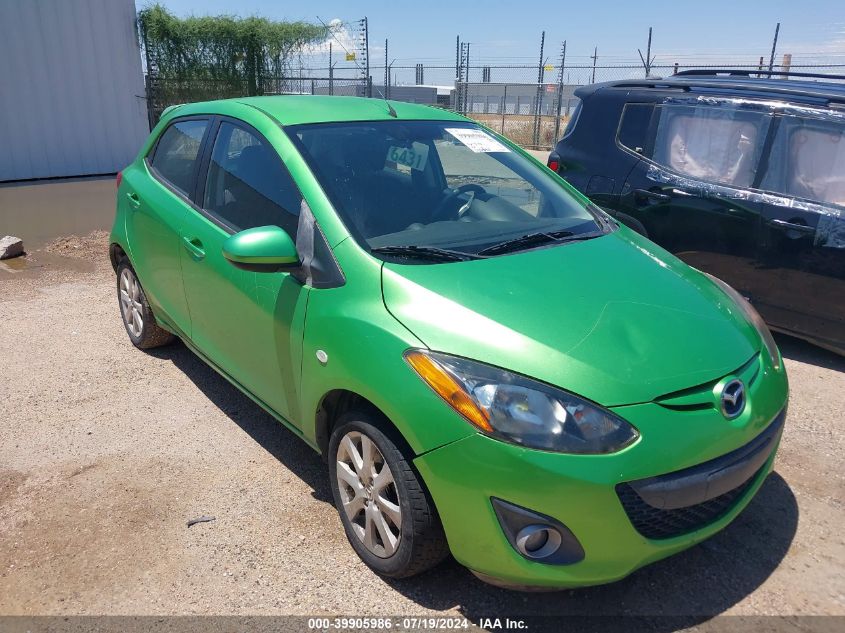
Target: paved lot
{"x":106,"y":452}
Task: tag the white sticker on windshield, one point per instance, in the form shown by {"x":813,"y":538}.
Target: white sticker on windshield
{"x":477,"y":140}
{"x":414,"y":157}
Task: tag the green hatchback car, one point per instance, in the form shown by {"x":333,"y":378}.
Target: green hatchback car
{"x":490,"y":364}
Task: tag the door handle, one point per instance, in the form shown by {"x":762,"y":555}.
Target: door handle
{"x":194,"y":246}
{"x":134,"y":200}
{"x":641,"y":194}
{"x":791,"y":226}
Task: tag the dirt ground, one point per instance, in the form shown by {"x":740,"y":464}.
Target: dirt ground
{"x":106,"y":452}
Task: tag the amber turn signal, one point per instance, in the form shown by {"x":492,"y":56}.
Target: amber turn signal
{"x":445,"y":386}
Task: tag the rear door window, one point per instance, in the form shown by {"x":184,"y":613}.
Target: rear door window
{"x":176,"y":153}
{"x":718,"y":143}
{"x":807,"y":160}
{"x":247,"y":183}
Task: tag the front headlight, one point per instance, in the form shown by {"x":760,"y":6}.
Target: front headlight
{"x":520,"y":410}
{"x":752,"y":315}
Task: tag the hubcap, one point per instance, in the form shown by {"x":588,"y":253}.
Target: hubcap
{"x":368,"y":493}
{"x":130,"y":302}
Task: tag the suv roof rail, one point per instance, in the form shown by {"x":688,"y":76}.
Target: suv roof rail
{"x":744,"y":72}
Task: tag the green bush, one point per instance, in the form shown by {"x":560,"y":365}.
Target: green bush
{"x":224,"y":50}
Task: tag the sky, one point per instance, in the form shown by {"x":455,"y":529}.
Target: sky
{"x":713,"y":31}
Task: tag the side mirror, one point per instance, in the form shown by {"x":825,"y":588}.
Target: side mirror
{"x":264,"y":249}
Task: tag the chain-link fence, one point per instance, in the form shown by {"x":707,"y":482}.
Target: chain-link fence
{"x":529,"y":103}
{"x":162,"y":93}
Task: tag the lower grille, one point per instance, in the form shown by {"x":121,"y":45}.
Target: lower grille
{"x":656,"y":523}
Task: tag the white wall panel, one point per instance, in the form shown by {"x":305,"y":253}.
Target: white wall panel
{"x":71,"y":88}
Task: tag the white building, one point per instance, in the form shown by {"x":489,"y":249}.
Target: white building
{"x":71,"y":88}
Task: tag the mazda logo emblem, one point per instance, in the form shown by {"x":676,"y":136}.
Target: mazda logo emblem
{"x":733,"y":399}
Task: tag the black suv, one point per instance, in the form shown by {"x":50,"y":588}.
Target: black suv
{"x":738,"y":175}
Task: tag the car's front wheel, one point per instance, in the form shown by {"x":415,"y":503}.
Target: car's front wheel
{"x":137,"y":315}
{"x":386,"y":512}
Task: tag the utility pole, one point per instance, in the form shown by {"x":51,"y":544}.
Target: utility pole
{"x":774,"y":48}
{"x":648,"y":60}
{"x":560,"y":89}
{"x":386,"y":77}
{"x":594,"y":57}
{"x":331,"y":71}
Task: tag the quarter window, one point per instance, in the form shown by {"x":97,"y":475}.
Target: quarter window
{"x":573,"y":119}
{"x":247,"y":184}
{"x":176,"y":153}
{"x":719,"y":144}
{"x":634,"y":126}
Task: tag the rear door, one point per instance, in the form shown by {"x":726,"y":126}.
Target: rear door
{"x":689,"y":191}
{"x":157,"y":194}
{"x":248,"y":324}
{"x":802,"y":247}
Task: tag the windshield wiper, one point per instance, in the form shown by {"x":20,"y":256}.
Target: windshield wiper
{"x":535,"y":239}
{"x":424,"y":252}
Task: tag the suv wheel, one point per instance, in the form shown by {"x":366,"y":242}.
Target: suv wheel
{"x":386,"y":512}
{"x":138,"y":318}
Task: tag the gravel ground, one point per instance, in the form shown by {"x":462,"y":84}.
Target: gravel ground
{"x":106,"y":452}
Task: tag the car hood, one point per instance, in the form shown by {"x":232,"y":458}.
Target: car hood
{"x":615,"y":319}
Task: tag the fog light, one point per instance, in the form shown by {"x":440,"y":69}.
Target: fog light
{"x":537,"y":537}
{"x":538,"y":541}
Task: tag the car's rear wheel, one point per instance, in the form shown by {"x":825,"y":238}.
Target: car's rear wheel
{"x":386,"y":512}
{"x":137,"y":316}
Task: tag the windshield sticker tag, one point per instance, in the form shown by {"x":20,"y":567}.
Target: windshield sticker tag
{"x":477,"y":140}
{"x":414,"y":157}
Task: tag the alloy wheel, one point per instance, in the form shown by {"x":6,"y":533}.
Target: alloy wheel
{"x":130,"y":303}
{"x":368,"y":493}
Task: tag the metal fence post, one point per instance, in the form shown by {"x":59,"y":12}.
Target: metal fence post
{"x":504,"y":108}
{"x":560,"y":91}
{"x":538,"y":102}
{"x":150,"y":101}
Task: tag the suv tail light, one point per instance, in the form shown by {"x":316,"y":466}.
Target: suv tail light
{"x":554,"y":162}
{"x":118,"y":179}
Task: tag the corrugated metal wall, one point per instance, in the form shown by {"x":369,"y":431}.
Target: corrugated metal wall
{"x":71,"y":88}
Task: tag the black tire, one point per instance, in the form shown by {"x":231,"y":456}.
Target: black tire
{"x":147,"y":334}
{"x":421,"y":543}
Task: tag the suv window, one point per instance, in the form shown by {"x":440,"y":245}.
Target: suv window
{"x":713,"y":143}
{"x":807,"y":160}
{"x":247,"y":184}
{"x":634,"y":126}
{"x":176,"y":152}
{"x":573,"y":118}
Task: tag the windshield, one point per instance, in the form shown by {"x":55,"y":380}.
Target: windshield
{"x":427,"y":188}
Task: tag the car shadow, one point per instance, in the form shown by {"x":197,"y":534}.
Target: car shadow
{"x":678,"y":592}
{"x":800,"y":350}
{"x":268,"y":432}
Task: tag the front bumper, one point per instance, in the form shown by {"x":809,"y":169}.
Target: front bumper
{"x":706,"y":456}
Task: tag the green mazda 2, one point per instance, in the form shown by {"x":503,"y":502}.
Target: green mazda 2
{"x":491,"y":366}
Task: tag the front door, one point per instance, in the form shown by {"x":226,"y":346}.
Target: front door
{"x":248,"y":324}
{"x":689,"y":192}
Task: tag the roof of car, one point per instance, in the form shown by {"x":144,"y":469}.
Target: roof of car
{"x":296,"y":109}
{"x":796,"y":88}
